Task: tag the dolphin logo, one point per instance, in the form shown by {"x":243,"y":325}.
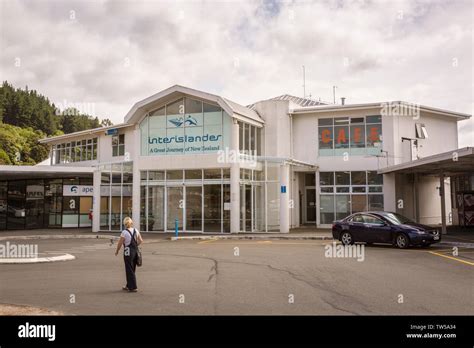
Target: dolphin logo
{"x":190,"y":121}
{"x":177,"y":121}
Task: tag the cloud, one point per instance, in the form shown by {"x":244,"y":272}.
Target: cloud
{"x":114,"y":53}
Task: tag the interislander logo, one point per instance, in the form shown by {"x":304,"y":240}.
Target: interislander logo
{"x":188,"y":121}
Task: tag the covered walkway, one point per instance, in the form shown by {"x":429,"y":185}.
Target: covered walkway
{"x":453,"y":164}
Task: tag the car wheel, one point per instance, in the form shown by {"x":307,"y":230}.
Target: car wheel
{"x":346,"y":238}
{"x":402,"y":241}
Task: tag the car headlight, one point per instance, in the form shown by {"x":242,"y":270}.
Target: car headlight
{"x":419,"y":232}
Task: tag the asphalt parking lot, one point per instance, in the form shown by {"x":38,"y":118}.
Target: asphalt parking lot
{"x":245,"y":277}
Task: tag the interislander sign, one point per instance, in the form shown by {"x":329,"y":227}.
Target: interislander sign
{"x":185,"y":135}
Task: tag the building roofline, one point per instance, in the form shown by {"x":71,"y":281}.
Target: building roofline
{"x":232,"y":108}
{"x":84,"y":132}
{"x":379,"y":105}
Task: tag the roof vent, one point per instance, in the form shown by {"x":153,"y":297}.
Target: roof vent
{"x":343,"y":100}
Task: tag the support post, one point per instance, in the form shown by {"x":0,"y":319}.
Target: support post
{"x":234,"y":180}
{"x":136,"y":182}
{"x":443,"y":204}
{"x":284,"y":198}
{"x":416,"y":201}
{"x":96,"y":201}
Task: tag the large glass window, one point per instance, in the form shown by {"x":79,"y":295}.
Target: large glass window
{"x":75,"y":151}
{"x":350,"y":192}
{"x":3,"y":205}
{"x":249,"y":139}
{"x":34,"y":209}
{"x":327,"y":209}
{"x":185,"y":126}
{"x":16,"y":204}
{"x":116,"y":195}
{"x":350,"y":135}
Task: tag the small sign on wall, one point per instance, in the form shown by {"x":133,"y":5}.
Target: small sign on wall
{"x":283,"y":189}
{"x":78,"y":190}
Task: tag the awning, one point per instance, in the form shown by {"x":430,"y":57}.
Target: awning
{"x":44,"y":172}
{"x":456,"y":162}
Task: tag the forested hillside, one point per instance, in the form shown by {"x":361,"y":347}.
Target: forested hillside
{"x":27,"y":116}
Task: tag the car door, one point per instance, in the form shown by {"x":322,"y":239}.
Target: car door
{"x":356,"y":227}
{"x":376,"y":230}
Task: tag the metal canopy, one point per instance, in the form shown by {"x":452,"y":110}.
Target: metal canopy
{"x":43,"y":172}
{"x":451,"y":163}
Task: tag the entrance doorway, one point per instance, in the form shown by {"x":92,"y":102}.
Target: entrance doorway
{"x":199,"y":200}
{"x":310,"y":205}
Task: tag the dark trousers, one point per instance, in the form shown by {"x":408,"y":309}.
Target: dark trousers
{"x":130,"y":259}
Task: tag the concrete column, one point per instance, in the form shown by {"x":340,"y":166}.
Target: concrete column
{"x":96,"y":201}
{"x":416,"y":201}
{"x":284,"y":198}
{"x":443,"y":204}
{"x":234,"y":180}
{"x":136,"y":181}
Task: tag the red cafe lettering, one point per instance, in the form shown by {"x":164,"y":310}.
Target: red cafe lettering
{"x":342,"y":135}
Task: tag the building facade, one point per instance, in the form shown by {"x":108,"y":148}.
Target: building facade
{"x":197,"y":162}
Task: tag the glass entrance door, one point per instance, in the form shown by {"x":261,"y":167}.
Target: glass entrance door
{"x":310,"y":205}
{"x":193,"y":208}
{"x":175,"y":207}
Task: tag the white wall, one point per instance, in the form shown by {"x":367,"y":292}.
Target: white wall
{"x":442,"y":135}
{"x":277,"y":127}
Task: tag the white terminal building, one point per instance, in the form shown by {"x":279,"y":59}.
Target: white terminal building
{"x":202,"y":163}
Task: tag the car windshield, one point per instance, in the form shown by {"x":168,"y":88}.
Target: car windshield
{"x":397,"y":219}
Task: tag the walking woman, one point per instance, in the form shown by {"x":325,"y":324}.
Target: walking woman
{"x":130,"y":239}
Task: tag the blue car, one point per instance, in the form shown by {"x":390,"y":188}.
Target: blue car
{"x":383,"y":227}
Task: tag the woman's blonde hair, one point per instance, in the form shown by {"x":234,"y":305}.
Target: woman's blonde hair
{"x":128,"y":222}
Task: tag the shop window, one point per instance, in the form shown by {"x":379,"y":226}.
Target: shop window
{"x":354,"y":135}
{"x":358,"y":178}
{"x":343,"y":178}
{"x":374,"y":178}
{"x":212,"y":174}
{"x":174,"y":175}
{"x":327,"y":209}
{"x":351,"y":191}
{"x":195,"y":174}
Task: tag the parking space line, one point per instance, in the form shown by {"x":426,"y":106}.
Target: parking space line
{"x":452,"y":258}
{"x":261,"y":242}
{"x":207,"y":241}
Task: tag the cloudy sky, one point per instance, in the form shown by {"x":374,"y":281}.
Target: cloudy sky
{"x":106,"y":55}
